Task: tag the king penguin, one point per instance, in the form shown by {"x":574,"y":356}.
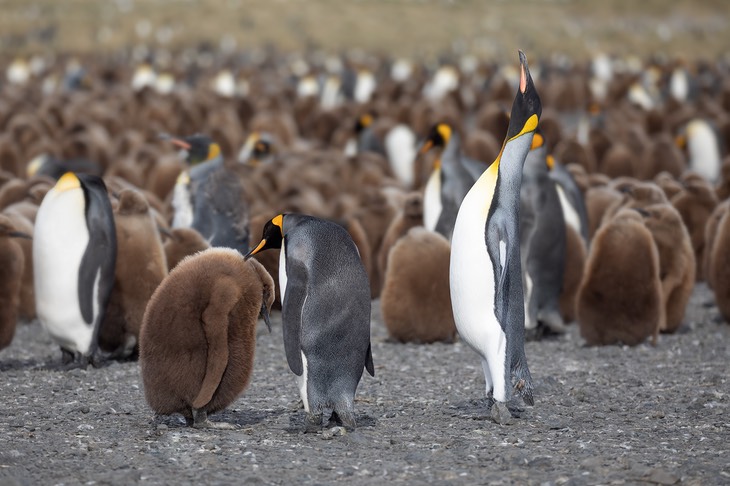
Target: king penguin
{"x":209,"y":197}
{"x":325,"y":297}
{"x":74,"y":254}
{"x":485,"y":270}
{"x":452,"y":176}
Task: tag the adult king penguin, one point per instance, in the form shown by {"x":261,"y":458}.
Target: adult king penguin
{"x":485,"y":270}
{"x":325,"y":298}
{"x":74,"y":253}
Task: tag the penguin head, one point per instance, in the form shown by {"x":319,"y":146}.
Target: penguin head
{"x":258,"y":147}
{"x":67,"y":182}
{"x":272,"y":237}
{"x":526,"y":108}
{"x":363,"y":122}
{"x":196,"y":148}
{"x":439,"y":136}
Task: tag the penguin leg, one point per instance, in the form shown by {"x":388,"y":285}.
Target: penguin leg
{"x":67,"y":357}
{"x":200,"y":421}
{"x":313,"y":421}
{"x":344,"y":414}
{"x":488,"y":379}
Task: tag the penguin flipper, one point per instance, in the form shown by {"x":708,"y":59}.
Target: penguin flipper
{"x":369,"y":361}
{"x":292,"y":310}
{"x":223,"y":298}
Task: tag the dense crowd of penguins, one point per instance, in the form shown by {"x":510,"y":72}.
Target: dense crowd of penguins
{"x":624,"y":199}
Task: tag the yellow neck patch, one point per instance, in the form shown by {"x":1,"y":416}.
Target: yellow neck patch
{"x":366,"y":120}
{"x":550,"y":161}
{"x":213,"y":151}
{"x":279,"y":221}
{"x":445,"y":132}
{"x":67,"y":182}
{"x":529,"y":126}
{"x":537,"y":141}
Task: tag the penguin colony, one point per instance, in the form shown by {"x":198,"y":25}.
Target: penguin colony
{"x":116,"y":181}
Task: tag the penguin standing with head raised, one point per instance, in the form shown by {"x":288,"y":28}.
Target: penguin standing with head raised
{"x":74,"y":254}
{"x":485,"y":270}
{"x":325,"y":297}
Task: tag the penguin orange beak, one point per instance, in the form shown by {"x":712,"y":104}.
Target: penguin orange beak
{"x":258,"y":248}
{"x":180,"y":143}
{"x":426,"y":146}
{"x":680,"y":141}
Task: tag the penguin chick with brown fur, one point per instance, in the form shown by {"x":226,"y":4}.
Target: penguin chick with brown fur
{"x":677,"y":264}
{"x":620,"y":298}
{"x":598,"y":200}
{"x":199,"y":334}
{"x":696,"y":203}
{"x":416,"y":300}
{"x":141,"y":266}
{"x":719,"y":266}
{"x":11,"y":273}
{"x":183,"y":242}
{"x":710,"y":236}
{"x":26,"y":307}
{"x":575,"y":261}
{"x":410,"y":216}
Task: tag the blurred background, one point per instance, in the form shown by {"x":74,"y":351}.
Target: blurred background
{"x":422,"y":29}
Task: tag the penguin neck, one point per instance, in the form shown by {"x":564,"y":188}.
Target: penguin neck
{"x":451,"y":152}
{"x":509,"y":172}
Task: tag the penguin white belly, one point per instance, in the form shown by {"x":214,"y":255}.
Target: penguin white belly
{"x":569,"y":213}
{"x":59,"y":243}
{"x":282,"y":273}
{"x":704,"y":155}
{"x":473,"y":291}
{"x":432,"y":201}
{"x":183,"y":210}
{"x":400,"y":145}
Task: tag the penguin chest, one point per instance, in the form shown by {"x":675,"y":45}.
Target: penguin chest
{"x":60,"y":240}
{"x":569,"y":213}
{"x":432,"y":201}
{"x":182,"y":205}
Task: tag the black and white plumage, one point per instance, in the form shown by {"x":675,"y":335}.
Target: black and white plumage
{"x":74,"y":254}
{"x":325,"y":297}
{"x":209,"y":196}
{"x":485,"y":268}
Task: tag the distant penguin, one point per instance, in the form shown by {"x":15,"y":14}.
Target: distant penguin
{"x":183,"y":242}
{"x":719,"y":273}
{"x":542,"y":242}
{"x":452,"y":177}
{"x":258,"y":149}
{"x":11,"y":273}
{"x":711,"y":229}
{"x":198,"y":335}
{"x":209,"y":197}
{"x":410,"y":216}
{"x":400,"y":149}
{"x":74,"y":254}
{"x":620,"y":299}
{"x":598,"y":200}
{"x":485,"y":270}
{"x":704,"y":149}
{"x":26,"y":308}
{"x":677,"y":265}
{"x":571,"y":197}
{"x":325,"y":313}
{"x":141,"y":266}
{"x":575,"y":260}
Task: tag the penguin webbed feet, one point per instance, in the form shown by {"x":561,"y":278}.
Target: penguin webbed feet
{"x":200,"y":421}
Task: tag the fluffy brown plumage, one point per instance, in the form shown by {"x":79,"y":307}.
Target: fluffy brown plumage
{"x":575,"y":260}
{"x":720,"y":266}
{"x":26,"y":306}
{"x":713,"y":223}
{"x":416,"y":301}
{"x":141,"y":266}
{"x":183,"y":242}
{"x":409,"y":217}
{"x":199,"y":333}
{"x":696,"y":203}
{"x":11,"y":273}
{"x":620,"y":298}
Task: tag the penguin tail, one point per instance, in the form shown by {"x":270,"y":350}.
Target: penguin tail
{"x":522,"y":381}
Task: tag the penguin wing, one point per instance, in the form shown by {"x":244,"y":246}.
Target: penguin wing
{"x":223,"y":297}
{"x":96,"y":272}
{"x":369,"y":361}
{"x":292,"y":310}
{"x":504,"y":251}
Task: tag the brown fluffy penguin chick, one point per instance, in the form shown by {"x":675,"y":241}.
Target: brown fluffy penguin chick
{"x":11,"y":274}
{"x":696,"y":203}
{"x":677,"y":264}
{"x":575,"y":260}
{"x":269,"y":259}
{"x":182,"y":243}
{"x":598,"y":200}
{"x":619,"y":161}
{"x":635,"y":195}
{"x":710,"y":236}
{"x":668,"y":184}
{"x":26,"y":307}
{"x":198,"y":337}
{"x":141,"y":266}
{"x":723,"y":188}
{"x":620,"y":298}
{"x":375,"y":215}
{"x":416,"y":301}
{"x":410,"y":217}
{"x":720,"y":266}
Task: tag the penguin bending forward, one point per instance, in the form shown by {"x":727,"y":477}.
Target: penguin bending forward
{"x":485,"y":270}
{"x":74,"y":254}
{"x":325,"y":297}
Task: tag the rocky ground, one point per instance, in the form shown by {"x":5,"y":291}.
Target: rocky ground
{"x":611,"y":415}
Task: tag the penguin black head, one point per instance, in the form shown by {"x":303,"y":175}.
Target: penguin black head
{"x":272,"y":237}
{"x":363,"y":122}
{"x":526,"y":108}
{"x":197,"y":148}
{"x":439,"y":136}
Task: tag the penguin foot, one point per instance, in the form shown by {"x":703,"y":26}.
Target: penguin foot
{"x":345,"y":419}
{"x":500,"y":414}
{"x":200,"y":421}
{"x":313,"y":423}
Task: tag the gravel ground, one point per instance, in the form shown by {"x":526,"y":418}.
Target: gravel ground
{"x":611,"y":415}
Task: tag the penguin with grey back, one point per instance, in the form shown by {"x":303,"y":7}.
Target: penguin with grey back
{"x":209,"y":196}
{"x":575,"y":212}
{"x":542,"y":243}
{"x":74,"y":256}
{"x":485,"y":270}
{"x":325,"y":297}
